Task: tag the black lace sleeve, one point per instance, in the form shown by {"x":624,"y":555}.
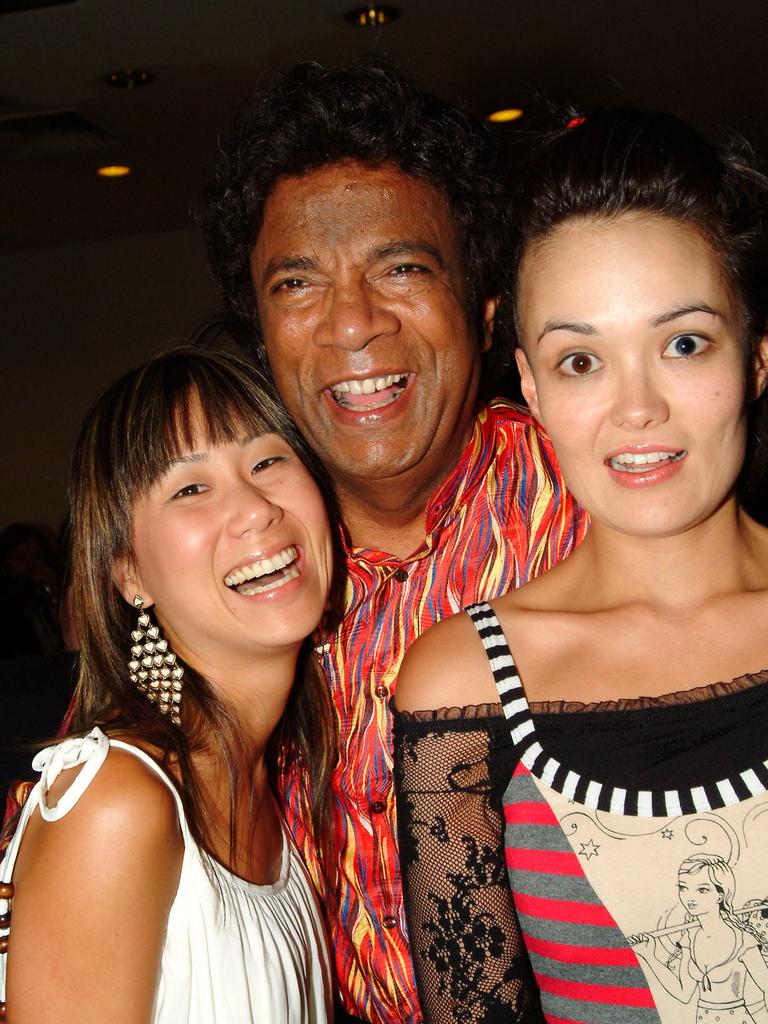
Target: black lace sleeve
{"x":451,"y":770}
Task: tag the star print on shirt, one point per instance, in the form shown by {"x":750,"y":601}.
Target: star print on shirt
{"x":589,"y":849}
{"x":667,"y":833}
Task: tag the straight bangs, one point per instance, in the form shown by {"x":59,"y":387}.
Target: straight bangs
{"x":178,"y":401}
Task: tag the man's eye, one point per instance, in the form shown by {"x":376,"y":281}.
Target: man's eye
{"x":579,"y":364}
{"x":686,"y":345}
{"x":289,"y":284}
{"x":406,"y":269}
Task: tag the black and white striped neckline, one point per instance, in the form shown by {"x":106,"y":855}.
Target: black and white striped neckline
{"x":642,"y":803}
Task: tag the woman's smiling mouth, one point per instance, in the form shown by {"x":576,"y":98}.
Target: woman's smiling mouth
{"x":265,"y":573}
{"x":643,"y":462}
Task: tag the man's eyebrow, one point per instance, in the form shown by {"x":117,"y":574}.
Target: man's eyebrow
{"x":287,"y":264}
{"x":568,"y":325}
{"x":678,"y":311}
{"x":407,"y":247}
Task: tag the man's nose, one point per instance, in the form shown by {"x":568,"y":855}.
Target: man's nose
{"x":354,"y":315}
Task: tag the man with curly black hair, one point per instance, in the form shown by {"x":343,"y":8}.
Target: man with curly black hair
{"x":356,"y":227}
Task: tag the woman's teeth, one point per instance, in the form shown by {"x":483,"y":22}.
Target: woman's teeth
{"x":260,"y":588}
{"x":641,"y":462}
{"x":270,"y":573}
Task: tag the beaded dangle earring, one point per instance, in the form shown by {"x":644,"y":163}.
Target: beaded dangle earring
{"x":153,"y":666}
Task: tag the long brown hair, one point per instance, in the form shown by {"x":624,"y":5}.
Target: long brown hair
{"x":129,"y":437}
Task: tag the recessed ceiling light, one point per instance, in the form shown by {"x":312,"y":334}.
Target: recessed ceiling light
{"x":507,"y":114}
{"x":371,"y":15}
{"x":129,"y":78}
{"x":113,"y":171}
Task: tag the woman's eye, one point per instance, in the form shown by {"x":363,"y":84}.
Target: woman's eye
{"x":579,"y":364}
{"x":263,"y":464}
{"x":185,"y":492}
{"x":685,"y":345}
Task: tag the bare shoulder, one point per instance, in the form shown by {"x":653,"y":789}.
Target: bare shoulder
{"x":445,"y":667}
{"x":126,"y":812}
{"x":109,"y":869}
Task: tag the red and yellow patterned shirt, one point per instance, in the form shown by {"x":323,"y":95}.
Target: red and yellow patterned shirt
{"x":501,"y":518}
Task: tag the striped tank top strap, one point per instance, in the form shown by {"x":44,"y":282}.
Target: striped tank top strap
{"x":507,"y":679}
{"x":496,"y":647}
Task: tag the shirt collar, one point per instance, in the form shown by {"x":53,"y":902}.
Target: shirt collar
{"x":454,"y":492}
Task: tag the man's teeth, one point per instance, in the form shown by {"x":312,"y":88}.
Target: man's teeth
{"x":263,"y":567}
{"x":367,"y":386}
{"x":638,"y":462}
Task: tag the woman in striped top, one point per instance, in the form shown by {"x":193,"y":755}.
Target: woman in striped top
{"x":546,"y":805}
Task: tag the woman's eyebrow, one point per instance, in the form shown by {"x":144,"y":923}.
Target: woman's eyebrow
{"x":191,"y":458}
{"x":247,"y":438}
{"x":568,"y":325}
{"x":588,"y":330}
{"x":678,"y":311}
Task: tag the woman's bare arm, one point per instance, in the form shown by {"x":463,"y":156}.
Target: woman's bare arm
{"x":93,"y":894}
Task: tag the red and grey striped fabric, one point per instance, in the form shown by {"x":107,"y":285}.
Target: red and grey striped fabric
{"x":585,"y":969}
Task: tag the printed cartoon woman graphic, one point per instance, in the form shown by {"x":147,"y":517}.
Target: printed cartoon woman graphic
{"x":717,"y":953}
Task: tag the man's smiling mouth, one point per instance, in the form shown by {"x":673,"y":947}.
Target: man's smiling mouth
{"x":369,"y":392}
{"x":264,"y":574}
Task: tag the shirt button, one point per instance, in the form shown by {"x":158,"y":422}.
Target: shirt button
{"x":389,"y":921}
{"x":377,"y":807}
{"x":381,"y":691}
{"x":401,"y":575}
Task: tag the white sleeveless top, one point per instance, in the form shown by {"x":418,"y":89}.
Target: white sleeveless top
{"x":234,"y":952}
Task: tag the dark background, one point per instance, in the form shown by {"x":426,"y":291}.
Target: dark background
{"x":96,"y":274}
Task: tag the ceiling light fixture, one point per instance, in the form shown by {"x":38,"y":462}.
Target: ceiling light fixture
{"x":113,"y":171}
{"x":129,"y":78}
{"x":372,"y":15}
{"x":505,"y":115}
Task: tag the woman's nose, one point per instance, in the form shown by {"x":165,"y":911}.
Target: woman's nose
{"x":639,"y":402}
{"x":253,"y":510}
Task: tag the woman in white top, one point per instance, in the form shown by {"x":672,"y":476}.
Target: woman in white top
{"x":154,"y":880}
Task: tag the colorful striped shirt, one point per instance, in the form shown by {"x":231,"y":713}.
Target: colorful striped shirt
{"x":500,"y":518}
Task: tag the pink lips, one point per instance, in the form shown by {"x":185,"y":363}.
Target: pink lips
{"x":635,"y":472}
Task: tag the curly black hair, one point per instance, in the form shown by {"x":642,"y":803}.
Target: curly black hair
{"x":373,"y":113}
